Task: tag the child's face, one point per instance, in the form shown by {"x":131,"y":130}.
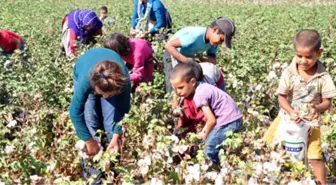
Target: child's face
{"x":88,"y":27}
{"x":216,"y":38}
{"x":183,"y":88}
{"x":306,"y":58}
{"x":103,"y":13}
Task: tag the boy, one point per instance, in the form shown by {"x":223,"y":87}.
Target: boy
{"x":10,"y":41}
{"x":304,"y":92}
{"x":189,"y":119}
{"x":191,"y":41}
{"x":219,"y":109}
{"x":104,"y":17}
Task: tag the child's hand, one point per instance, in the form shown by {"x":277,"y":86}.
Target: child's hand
{"x":295,"y":116}
{"x":314,"y":112}
{"x":92,"y":147}
{"x":133,"y":32}
{"x":202,"y":135}
{"x":114,"y":146}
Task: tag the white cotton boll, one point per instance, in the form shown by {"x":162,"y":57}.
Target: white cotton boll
{"x":126,"y":183}
{"x":235,"y":83}
{"x":204,"y":167}
{"x":8,"y":63}
{"x":272,"y":76}
{"x":180,"y":149}
{"x":219,"y":180}
{"x":156,"y":181}
{"x":9,"y":149}
{"x":334,"y":117}
{"x":252,"y":181}
{"x":250,"y":90}
{"x":276,"y":65}
{"x":324,"y":146}
{"x":2,"y":183}
{"x":12,"y":124}
{"x":294,"y":182}
{"x":258,"y":87}
{"x":51,"y":167}
{"x":174,"y":138}
{"x":284,"y":66}
{"x":193,"y":172}
{"x":211,"y":175}
{"x":35,"y":177}
{"x":80,"y":144}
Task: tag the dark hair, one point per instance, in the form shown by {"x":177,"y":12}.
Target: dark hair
{"x":214,"y":24}
{"x":184,"y":71}
{"x":197,"y":68}
{"x":103,"y":8}
{"x":308,"y":38}
{"x":108,"y":76}
{"x":118,"y":43}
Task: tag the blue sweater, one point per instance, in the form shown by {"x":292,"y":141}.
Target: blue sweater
{"x":157,"y":14}
{"x":82,"y":90}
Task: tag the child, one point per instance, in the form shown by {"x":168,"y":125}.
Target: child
{"x":101,"y":98}
{"x":305,"y":91}
{"x":191,"y":41}
{"x":10,"y":41}
{"x":80,"y":25}
{"x":220,"y":110}
{"x":104,"y":17}
{"x":191,"y":116}
{"x":137,"y":53}
{"x":150,"y":16}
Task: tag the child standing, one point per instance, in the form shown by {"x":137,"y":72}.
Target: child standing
{"x":187,"y":43}
{"x":10,"y":41}
{"x":305,"y":91}
{"x":220,"y":111}
{"x":138,"y":55}
{"x":80,"y":25}
{"x":104,"y":16}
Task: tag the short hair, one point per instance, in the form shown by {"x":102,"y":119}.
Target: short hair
{"x":185,"y":71}
{"x":103,"y":8}
{"x":108,"y":76}
{"x":197,"y":68}
{"x":118,"y":43}
{"x":308,"y":38}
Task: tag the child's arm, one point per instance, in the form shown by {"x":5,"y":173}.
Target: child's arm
{"x":171,"y":48}
{"x":323,"y":106}
{"x":282,"y":99}
{"x":210,"y":123}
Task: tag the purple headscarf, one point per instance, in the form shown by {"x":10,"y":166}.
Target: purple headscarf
{"x":78,"y":19}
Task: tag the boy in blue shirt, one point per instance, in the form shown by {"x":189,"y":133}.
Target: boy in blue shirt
{"x":189,"y":42}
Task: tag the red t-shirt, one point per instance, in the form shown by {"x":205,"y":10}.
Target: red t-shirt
{"x":6,"y":41}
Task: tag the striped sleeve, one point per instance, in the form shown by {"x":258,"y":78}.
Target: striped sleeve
{"x":284,"y":84}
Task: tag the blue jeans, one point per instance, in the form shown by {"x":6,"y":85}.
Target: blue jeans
{"x":217,"y":136}
{"x":103,"y":114}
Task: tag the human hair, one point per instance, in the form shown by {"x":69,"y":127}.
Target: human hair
{"x":118,"y":43}
{"x":103,"y":8}
{"x":214,"y":24}
{"x":308,"y":38}
{"x":108,"y":76}
{"x":185,"y":71}
{"x":197,"y":68}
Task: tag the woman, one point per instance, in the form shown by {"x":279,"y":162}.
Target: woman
{"x":80,"y":25}
{"x":101,"y":98}
{"x":150,"y":16}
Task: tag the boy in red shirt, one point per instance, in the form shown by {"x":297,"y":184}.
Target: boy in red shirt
{"x":10,"y":41}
